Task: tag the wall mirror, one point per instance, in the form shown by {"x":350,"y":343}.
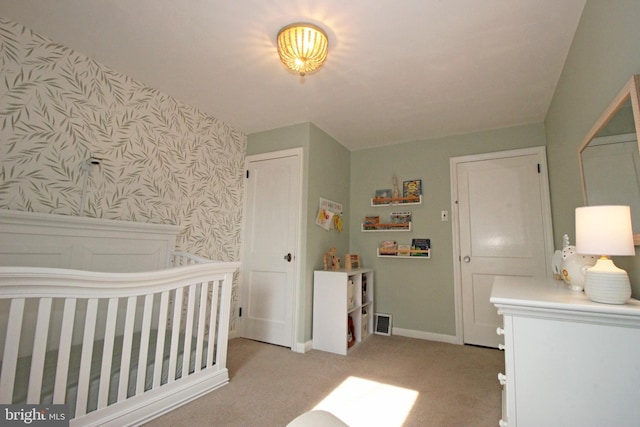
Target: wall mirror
{"x":610,"y":156}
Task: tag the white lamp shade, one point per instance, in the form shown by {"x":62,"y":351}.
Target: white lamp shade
{"x":604,"y":230}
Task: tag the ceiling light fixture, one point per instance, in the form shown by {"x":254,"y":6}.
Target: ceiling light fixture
{"x":302,"y":47}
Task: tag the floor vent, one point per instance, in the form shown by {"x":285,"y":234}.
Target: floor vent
{"x":383,"y":324}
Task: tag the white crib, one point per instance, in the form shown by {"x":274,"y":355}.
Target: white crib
{"x":117,"y":348}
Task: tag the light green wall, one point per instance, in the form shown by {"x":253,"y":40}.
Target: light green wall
{"x":419,"y":293}
{"x":326,"y":174}
{"x":329,"y":178}
{"x":603,"y":56}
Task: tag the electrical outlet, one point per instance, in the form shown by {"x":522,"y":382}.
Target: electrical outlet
{"x":444,"y":216}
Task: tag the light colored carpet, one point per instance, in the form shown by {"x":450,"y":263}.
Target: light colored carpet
{"x":385,"y":381}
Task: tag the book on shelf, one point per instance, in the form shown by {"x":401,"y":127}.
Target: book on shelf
{"x":383,"y":196}
{"x":400,"y":217}
{"x":372,"y":219}
{"x":412,"y":189}
{"x":371,"y":222}
{"x":388,"y":247}
{"x":420,"y":247}
{"x":404,"y":250}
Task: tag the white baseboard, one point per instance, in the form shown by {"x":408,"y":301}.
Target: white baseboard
{"x":302,"y":347}
{"x":430,"y":336}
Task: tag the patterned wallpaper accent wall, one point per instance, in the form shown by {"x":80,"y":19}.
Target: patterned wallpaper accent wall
{"x":163,"y":161}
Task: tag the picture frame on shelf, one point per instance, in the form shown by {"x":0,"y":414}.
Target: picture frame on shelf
{"x":412,"y":188}
{"x":352,"y":262}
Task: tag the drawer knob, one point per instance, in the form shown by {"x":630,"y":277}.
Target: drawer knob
{"x":502,"y":423}
{"x":500,"y":331}
{"x":502,"y":378}
{"x":500,"y":346}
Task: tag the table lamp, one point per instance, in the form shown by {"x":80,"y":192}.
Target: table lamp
{"x":605,"y":231}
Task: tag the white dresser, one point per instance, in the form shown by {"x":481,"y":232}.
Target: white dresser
{"x":568,"y":361}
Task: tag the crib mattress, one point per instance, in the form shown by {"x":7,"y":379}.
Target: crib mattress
{"x":24,"y":365}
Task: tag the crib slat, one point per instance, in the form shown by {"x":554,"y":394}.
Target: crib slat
{"x":204,"y":292}
{"x":144,"y":343}
{"x":162,"y":327}
{"x":127,"y":339}
{"x":10,"y":357}
{"x":215,"y":288}
{"x":64,"y":351}
{"x":87,"y":355}
{"x":188,"y":332}
{"x":39,"y":351}
{"x":107,"y":353}
{"x":223,"y":327}
{"x":175,"y":334}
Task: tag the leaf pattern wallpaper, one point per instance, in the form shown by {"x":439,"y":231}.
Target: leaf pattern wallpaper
{"x":162,"y":161}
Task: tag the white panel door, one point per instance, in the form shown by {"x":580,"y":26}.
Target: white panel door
{"x":270,"y":247}
{"x":504,"y":229}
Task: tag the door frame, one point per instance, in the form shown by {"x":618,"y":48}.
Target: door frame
{"x":541,"y":152}
{"x":297,"y":270}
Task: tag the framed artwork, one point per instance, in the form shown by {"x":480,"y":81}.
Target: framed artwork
{"x":412,"y":188}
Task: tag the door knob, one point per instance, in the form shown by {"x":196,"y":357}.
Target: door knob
{"x":466,"y":258}
{"x":288,"y":257}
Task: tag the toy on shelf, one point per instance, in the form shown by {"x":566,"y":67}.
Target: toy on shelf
{"x":331,"y":261}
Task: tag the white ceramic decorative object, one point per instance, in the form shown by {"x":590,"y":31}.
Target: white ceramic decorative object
{"x":574,"y":267}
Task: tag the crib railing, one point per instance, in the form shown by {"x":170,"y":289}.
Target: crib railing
{"x":180,"y":259}
{"x":170,"y":327}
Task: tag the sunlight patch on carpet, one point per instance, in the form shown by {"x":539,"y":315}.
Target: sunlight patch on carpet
{"x":358,"y":401}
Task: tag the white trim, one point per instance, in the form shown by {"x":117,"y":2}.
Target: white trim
{"x":79,"y":225}
{"x":303,"y":347}
{"x":429,"y":336}
{"x":455,"y":223}
{"x":292,"y":152}
{"x":612,"y":139}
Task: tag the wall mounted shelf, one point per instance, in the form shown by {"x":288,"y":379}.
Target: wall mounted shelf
{"x":373,"y":228}
{"x":395,"y":201}
{"x":418,"y":254}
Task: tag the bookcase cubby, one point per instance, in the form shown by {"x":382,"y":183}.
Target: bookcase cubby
{"x":337,"y":297}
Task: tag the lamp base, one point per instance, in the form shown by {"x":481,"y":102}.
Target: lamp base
{"x":606,"y":283}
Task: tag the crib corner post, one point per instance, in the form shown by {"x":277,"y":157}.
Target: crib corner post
{"x":223,"y":325}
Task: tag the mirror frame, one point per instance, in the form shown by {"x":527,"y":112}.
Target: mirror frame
{"x":629,"y":91}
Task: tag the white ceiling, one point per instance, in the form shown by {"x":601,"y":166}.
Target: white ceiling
{"x":397,"y":70}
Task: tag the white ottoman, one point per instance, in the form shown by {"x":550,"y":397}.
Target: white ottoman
{"x":317,"y":419}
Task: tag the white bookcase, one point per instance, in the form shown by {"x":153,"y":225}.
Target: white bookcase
{"x":335,"y":301}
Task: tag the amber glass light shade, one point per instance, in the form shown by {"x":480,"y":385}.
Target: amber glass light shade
{"x":302,"y":47}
